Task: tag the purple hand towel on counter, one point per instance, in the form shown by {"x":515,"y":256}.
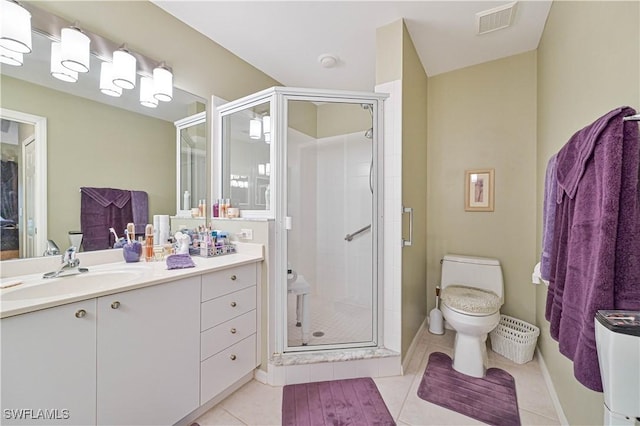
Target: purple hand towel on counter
{"x":595,"y":255}
{"x":179,"y":261}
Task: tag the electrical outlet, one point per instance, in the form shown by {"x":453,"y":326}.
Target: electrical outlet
{"x":247,"y":234}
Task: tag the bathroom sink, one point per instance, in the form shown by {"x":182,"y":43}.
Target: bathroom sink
{"x":65,"y":286}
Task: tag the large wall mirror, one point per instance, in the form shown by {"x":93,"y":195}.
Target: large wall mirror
{"x":92,"y":140}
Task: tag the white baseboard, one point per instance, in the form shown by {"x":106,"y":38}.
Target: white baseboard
{"x":414,"y":344}
{"x":260,"y":376}
{"x":552,"y":390}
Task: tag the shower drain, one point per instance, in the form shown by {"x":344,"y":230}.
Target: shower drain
{"x":318,"y":334}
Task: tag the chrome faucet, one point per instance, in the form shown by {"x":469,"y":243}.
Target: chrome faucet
{"x":70,"y":265}
{"x":52,"y":249}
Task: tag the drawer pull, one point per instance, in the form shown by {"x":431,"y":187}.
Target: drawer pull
{"x":233,"y":331}
{"x":115,"y":305}
{"x":233,"y":278}
{"x":234,"y":304}
{"x":81,"y":313}
{"x":233,"y":357}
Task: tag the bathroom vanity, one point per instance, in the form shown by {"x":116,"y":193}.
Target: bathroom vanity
{"x":157,"y":349}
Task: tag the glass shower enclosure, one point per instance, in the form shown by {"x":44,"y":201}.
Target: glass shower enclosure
{"x":311,"y":160}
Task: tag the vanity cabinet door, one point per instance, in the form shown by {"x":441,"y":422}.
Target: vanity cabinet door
{"x":49,"y":366}
{"x":149,"y":354}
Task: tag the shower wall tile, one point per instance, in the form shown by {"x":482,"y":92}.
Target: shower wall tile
{"x":297,"y":374}
{"x":321,"y":372}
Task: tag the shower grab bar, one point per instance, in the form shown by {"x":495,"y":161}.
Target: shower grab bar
{"x":349,"y":237}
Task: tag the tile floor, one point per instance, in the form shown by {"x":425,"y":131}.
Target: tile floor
{"x":259,"y":404}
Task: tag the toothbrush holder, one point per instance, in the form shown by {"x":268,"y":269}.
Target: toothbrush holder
{"x":132,"y":252}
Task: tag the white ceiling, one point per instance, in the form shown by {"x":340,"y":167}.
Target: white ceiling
{"x":284,"y":39}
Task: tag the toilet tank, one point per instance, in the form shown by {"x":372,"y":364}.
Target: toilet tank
{"x":478,"y":272}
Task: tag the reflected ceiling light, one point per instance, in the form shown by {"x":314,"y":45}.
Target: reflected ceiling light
{"x":146,"y":93}
{"x":15,"y":27}
{"x":10,"y":57}
{"x":106,"y":81}
{"x":266,"y":124}
{"x":255,"y":128}
{"x":57,"y":70}
{"x":124,"y":68}
{"x":162,"y":83}
{"x":75,"y":52}
{"x":267,"y":137}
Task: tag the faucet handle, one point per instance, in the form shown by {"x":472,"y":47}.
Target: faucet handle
{"x":69,"y":256}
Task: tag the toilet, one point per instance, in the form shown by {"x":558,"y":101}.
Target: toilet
{"x":472,"y":294}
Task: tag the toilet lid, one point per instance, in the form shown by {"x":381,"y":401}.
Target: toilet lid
{"x":471,"y":300}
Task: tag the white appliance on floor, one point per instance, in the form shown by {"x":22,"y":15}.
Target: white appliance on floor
{"x":618,"y":344}
{"x":472,"y":294}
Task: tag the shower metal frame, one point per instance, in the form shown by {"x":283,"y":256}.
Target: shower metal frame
{"x":277,"y":303}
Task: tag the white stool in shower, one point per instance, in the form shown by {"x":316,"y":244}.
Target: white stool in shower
{"x":301,"y":288}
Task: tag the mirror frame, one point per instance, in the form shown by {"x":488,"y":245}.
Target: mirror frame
{"x":184,"y":123}
{"x":40,"y":134}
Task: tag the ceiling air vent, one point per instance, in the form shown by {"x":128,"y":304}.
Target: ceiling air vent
{"x":495,"y":19}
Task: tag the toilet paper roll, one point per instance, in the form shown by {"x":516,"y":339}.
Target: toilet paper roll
{"x":292,"y":276}
{"x":163,"y":229}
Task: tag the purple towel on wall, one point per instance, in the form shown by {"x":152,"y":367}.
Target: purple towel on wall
{"x":548,"y":217}
{"x":140,"y":210}
{"x":101,"y":209}
{"x":595,"y":255}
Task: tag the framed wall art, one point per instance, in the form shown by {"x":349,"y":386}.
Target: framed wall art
{"x":479,"y":190}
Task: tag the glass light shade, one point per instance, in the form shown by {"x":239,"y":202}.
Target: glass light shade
{"x":255,"y":128}
{"x":163,"y":84}
{"x":267,"y":137}
{"x":266,"y":124}
{"x":75,"y":50}
{"x":15,"y":27}
{"x":146,"y":93}
{"x":57,"y":70}
{"x":106,"y":81}
{"x":10,"y":57}
{"x":124,"y":69}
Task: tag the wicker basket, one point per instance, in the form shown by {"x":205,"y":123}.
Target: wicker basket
{"x":514,"y":339}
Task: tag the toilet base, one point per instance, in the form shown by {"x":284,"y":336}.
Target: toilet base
{"x":470,"y":355}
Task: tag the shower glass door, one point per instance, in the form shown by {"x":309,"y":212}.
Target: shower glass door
{"x":330,"y":246}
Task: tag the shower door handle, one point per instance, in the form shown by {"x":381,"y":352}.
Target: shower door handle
{"x":409,"y":242}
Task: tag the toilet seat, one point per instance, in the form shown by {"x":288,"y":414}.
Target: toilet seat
{"x":470,"y":301}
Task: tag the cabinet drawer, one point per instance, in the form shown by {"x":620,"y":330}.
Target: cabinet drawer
{"x":226,"y":334}
{"x":227,"y":281}
{"x":226,"y":307}
{"x":223,"y":369}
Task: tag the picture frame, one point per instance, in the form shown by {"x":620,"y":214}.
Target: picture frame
{"x":479,"y":190}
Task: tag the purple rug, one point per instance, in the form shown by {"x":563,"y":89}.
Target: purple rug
{"x":491,"y":399}
{"x":336,"y":402}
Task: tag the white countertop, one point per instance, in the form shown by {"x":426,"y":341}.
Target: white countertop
{"x":135,"y":275}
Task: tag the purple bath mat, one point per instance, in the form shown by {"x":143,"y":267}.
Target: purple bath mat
{"x":347,"y":402}
{"x":491,"y":399}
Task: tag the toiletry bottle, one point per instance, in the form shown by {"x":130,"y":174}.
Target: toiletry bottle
{"x":223,"y":208}
{"x":148,"y":248}
{"x":186,"y":200}
{"x":227,"y":204}
{"x":215,"y":209}
{"x":203,"y":208}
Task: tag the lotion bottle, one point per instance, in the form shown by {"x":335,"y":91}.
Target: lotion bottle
{"x":148,"y":243}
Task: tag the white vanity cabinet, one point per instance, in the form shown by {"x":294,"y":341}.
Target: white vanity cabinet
{"x":49,"y":366}
{"x":229,"y":328}
{"x":148,"y":347}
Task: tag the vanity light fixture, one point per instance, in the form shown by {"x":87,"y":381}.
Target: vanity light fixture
{"x":266,"y":128}
{"x":146,"y":93}
{"x":162,"y":83}
{"x":106,"y":81}
{"x":255,"y":128}
{"x":10,"y":57}
{"x":124,"y":68}
{"x":15,"y":27}
{"x":57,"y":70}
{"x":75,"y":52}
